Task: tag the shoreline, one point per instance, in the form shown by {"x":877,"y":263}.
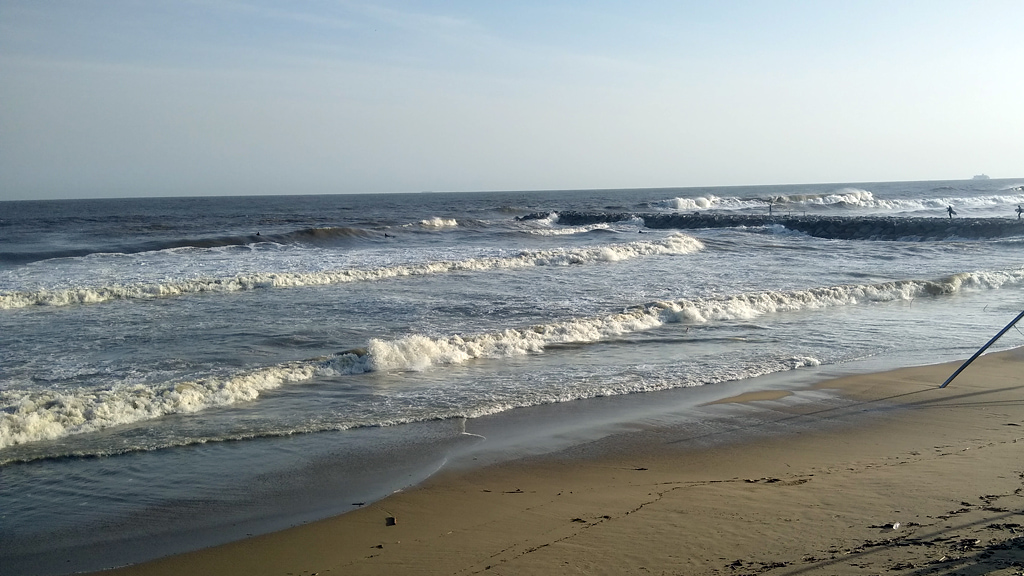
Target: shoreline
{"x":899,"y":476}
{"x":340,"y":472}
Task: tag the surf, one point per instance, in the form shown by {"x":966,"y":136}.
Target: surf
{"x":676,"y":244}
{"x":31,"y":416}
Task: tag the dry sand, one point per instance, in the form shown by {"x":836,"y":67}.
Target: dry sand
{"x":903,"y":478}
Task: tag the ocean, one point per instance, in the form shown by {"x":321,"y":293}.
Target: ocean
{"x":180,"y":372}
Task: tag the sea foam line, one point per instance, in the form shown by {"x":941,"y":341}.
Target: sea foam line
{"x":845,"y":197}
{"x":436,"y":223}
{"x":31,"y":416}
{"x":27,"y":417}
{"x":418,"y":352}
{"x":676,"y":244}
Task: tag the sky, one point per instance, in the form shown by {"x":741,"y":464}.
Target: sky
{"x":164,"y":98}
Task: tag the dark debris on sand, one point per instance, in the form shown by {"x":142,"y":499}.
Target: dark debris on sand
{"x":974,"y":540}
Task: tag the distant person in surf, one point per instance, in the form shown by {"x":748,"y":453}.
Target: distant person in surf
{"x":951,"y":212}
{"x":1019,"y":210}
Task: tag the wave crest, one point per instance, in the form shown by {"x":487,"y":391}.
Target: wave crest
{"x":698,"y":203}
{"x":437,"y":223}
{"x":676,"y":244}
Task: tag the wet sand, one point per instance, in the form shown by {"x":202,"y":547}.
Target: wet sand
{"x":900,"y":477}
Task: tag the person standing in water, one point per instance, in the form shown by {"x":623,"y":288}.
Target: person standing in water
{"x":951,"y":212}
{"x":1019,"y":210}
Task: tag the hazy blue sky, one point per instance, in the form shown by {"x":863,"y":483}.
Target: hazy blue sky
{"x":147,"y":97}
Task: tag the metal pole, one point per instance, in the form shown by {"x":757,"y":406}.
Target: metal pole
{"x":982,"y":349}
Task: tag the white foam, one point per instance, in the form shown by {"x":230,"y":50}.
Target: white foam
{"x":856,"y":199}
{"x":676,"y":244}
{"x":48,"y":415}
{"x":551,"y":218}
{"x":866,"y":200}
{"x":32,"y":416}
{"x":845,"y":197}
{"x":711,"y":202}
{"x":438,"y":223}
{"x":569,"y":230}
{"x":701,"y":202}
{"x":420,"y":352}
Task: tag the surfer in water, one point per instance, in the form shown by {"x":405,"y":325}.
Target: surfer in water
{"x":1019,"y":210}
{"x":951,"y":212}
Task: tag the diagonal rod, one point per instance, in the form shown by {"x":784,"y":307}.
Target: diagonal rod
{"x":982,"y":349}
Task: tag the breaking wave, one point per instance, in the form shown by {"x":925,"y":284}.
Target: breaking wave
{"x":675,"y":244}
{"x":844,"y":197}
{"x":33,"y":416}
{"x":569,"y":230}
{"x":436,"y":223}
{"x":848,"y":199}
{"x":864,"y":199}
{"x":28,"y":417}
{"x":419,"y":352}
{"x":710,"y":202}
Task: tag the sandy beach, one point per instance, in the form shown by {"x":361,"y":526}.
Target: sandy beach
{"x":901,"y":477}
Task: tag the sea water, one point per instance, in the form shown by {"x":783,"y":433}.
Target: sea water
{"x":178,"y":372}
